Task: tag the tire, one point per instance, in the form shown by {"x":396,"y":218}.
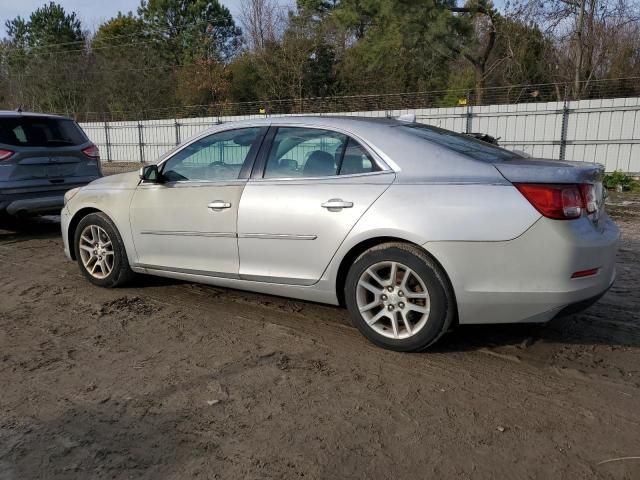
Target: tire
{"x":423,"y":307}
{"x":107,"y":265}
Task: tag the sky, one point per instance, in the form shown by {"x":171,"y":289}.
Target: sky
{"x":91,"y":12}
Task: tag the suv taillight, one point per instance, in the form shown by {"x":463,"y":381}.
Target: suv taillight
{"x":560,"y":201}
{"x":91,"y":151}
{"x":5,"y":154}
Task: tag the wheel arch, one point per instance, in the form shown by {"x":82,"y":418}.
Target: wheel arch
{"x":73,"y":225}
{"x":361,"y":247}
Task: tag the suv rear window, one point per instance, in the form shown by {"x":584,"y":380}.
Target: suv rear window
{"x":463,"y":144}
{"x":31,"y":131}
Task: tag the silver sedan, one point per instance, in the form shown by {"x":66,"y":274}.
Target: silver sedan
{"x":414,"y":228}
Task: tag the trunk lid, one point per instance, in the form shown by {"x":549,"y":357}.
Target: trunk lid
{"x":531,"y":170}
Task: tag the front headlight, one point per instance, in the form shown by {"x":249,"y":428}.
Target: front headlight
{"x":70,"y":194}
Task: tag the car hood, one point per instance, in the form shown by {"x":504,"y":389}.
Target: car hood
{"x":120,"y":181}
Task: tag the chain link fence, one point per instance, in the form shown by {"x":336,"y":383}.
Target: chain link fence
{"x":541,"y":120}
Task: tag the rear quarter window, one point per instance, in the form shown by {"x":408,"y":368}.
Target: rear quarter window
{"x":27,"y":131}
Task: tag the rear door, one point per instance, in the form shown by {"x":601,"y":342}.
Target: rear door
{"x":43,"y":150}
{"x":313,"y":186}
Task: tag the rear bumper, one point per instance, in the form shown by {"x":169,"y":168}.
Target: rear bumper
{"x":31,"y":200}
{"x":528,"y":279}
{"x":581,"y":305}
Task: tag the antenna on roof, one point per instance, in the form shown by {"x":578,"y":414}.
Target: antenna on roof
{"x":19,"y":109}
{"x":408,"y":117}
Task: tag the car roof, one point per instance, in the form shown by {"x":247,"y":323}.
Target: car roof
{"x":335,"y":120}
{"x":16,"y":113}
{"x":363,"y":127}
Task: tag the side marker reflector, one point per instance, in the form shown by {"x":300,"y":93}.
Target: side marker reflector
{"x":585,"y":273}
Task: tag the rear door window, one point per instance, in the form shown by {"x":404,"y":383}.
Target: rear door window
{"x":27,"y":131}
{"x":356,"y":160}
{"x":304,"y":152}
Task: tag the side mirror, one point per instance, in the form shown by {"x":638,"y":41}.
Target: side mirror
{"x":150,"y":173}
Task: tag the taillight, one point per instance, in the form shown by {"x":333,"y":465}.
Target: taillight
{"x":588,"y":191}
{"x":5,"y":154}
{"x":560,"y":201}
{"x":91,"y":151}
{"x":557,"y":201}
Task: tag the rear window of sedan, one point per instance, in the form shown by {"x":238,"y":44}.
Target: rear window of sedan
{"x":33,"y":131}
{"x":463,"y":144}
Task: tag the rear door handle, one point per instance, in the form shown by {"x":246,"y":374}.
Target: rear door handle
{"x":219,"y":205}
{"x":336,"y":204}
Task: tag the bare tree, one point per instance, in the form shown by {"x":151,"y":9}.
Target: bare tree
{"x":262,"y":22}
{"x":584,"y":32}
{"x":484,"y":20}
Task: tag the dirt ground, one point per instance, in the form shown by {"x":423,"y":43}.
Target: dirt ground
{"x":171,"y":380}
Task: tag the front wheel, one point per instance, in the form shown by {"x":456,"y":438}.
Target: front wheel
{"x":399,"y":298}
{"x":100,"y":251}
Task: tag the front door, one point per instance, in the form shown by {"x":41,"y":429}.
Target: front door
{"x":187,"y":222}
{"x":316,"y":185}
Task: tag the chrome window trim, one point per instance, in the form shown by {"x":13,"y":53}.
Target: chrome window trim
{"x":324,"y":178}
{"x":196,"y":183}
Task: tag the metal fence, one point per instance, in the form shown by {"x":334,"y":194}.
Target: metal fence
{"x":605,"y":130}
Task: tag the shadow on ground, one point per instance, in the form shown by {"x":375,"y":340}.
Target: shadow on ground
{"x":18,"y":230}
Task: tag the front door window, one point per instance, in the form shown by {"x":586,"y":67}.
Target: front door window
{"x":217,"y":157}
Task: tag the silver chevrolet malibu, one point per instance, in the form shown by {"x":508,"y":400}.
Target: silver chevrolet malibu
{"x":414,"y":228}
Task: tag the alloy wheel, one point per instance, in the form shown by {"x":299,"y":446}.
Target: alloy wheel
{"x":393,"y":300}
{"x":96,"y":251}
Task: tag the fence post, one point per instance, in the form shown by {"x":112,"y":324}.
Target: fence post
{"x":563,"y":129}
{"x":107,"y":140}
{"x":140,"y":142}
{"x":469,"y":124}
{"x":177,"y":126}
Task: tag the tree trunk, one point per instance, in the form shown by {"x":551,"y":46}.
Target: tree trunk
{"x":580,"y":52}
{"x":479,"y":83}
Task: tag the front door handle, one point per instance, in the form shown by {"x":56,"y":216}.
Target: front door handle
{"x":219,"y":205}
{"x":336,"y":204}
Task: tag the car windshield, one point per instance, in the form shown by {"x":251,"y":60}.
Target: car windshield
{"x":33,"y":131}
{"x":463,"y":144}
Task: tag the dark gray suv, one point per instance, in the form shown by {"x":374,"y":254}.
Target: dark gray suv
{"x":41,"y":157}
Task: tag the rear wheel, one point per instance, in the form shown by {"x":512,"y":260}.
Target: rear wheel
{"x":399,"y":298}
{"x":100,"y":251}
